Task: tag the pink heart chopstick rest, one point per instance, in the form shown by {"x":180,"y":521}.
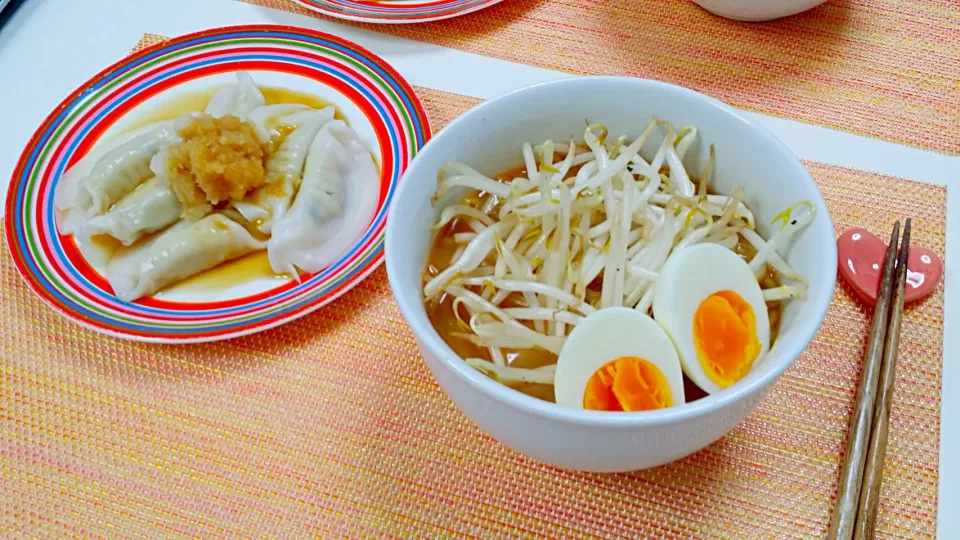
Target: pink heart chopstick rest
{"x":860,"y":257}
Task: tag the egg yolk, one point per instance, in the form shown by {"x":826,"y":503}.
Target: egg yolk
{"x":725,"y":337}
{"x":627,"y":384}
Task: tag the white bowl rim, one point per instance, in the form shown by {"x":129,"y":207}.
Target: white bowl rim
{"x":430,"y":338}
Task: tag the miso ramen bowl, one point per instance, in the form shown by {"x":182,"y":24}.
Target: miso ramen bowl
{"x":488,"y":138}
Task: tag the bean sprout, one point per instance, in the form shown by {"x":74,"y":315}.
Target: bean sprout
{"x":506,"y":374}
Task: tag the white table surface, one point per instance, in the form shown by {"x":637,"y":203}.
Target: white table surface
{"x":49,"y":47}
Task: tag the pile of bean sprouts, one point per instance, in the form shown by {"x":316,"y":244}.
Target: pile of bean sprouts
{"x":591,"y":212}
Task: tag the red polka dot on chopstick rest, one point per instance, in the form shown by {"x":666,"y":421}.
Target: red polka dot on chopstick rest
{"x":860,"y":257}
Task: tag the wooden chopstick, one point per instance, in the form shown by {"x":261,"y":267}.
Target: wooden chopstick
{"x":877,"y":451}
{"x":851,"y":477}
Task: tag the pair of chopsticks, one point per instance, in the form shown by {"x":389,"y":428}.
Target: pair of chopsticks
{"x":855,"y":513}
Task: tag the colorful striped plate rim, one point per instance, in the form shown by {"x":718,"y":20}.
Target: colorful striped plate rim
{"x":51,"y":263}
{"x":395,"y":11}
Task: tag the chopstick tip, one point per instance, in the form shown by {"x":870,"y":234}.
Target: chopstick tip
{"x":895,"y":235}
{"x":905,"y":241}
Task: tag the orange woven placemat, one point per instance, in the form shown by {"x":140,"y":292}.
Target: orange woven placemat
{"x":332,"y":426}
{"x":884,"y":68}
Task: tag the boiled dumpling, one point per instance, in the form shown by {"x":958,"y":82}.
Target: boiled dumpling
{"x":237,"y":99}
{"x":67,"y":196}
{"x":151,"y":207}
{"x":284,"y":170}
{"x":122,"y":169}
{"x":179,"y":252}
{"x":268,"y":118}
{"x":288,"y":160}
{"x":337,"y":199}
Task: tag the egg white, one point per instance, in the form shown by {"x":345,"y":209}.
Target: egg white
{"x":604,"y":336}
{"x":691,"y":275}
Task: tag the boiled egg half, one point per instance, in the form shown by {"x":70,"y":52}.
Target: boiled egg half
{"x":618,"y":359}
{"x":709,"y":302}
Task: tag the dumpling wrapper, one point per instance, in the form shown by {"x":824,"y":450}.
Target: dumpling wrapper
{"x":122,"y":169}
{"x":184,"y":250}
{"x":336,"y":201}
{"x":238,"y":99}
{"x":284,"y":170}
{"x":150,"y":208}
{"x":66,"y":196}
{"x":268,"y":118}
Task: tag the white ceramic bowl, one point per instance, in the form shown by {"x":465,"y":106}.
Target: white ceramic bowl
{"x":489,"y":138}
{"x":757,"y":10}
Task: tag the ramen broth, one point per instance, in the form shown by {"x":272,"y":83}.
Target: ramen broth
{"x":445,"y":321}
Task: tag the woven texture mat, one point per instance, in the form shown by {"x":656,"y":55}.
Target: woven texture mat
{"x":332,"y":426}
{"x":884,"y":68}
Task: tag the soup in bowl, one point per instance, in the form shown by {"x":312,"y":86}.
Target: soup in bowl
{"x":607,"y":273}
